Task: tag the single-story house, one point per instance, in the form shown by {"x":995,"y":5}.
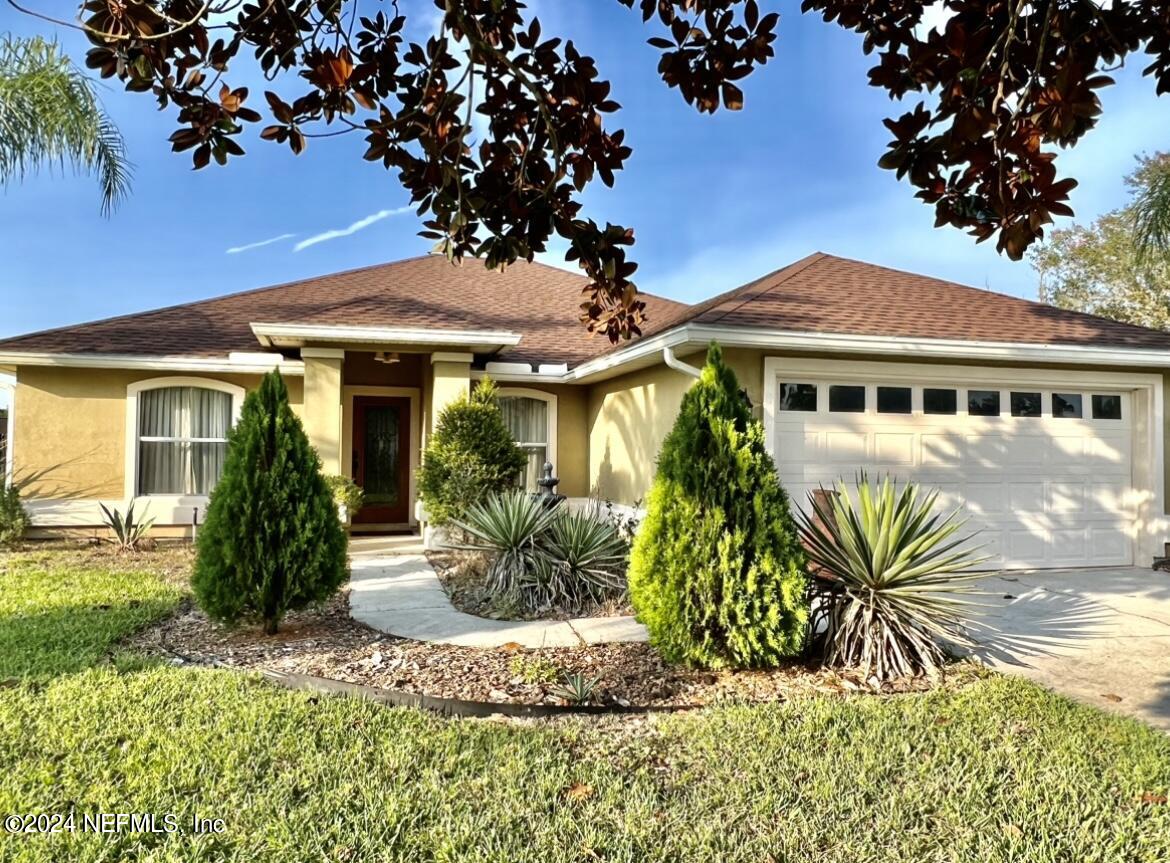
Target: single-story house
{"x":1047,"y":425}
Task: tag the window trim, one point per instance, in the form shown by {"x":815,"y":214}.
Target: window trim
{"x":549,"y":399}
{"x":130,"y":486}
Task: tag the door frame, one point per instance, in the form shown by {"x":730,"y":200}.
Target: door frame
{"x":1151,"y":526}
{"x":413,"y":393}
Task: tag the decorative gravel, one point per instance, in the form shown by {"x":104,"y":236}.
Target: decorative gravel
{"x":328,"y":643}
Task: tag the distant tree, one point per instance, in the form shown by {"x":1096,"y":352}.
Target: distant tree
{"x":1151,"y":209}
{"x":272,"y":541}
{"x":50,"y":115}
{"x":1110,"y":268}
{"x":992,"y":92}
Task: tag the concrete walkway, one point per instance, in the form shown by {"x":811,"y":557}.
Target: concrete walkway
{"x":1101,"y":636}
{"x":401,"y":595}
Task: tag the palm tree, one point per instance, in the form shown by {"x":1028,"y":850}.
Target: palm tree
{"x":1151,"y":208}
{"x":50,"y":115}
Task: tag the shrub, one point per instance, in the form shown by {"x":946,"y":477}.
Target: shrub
{"x":716,"y":571}
{"x":346,"y":493}
{"x":542,"y":558}
{"x":470,"y":456}
{"x":272,"y":541}
{"x":128,"y":531}
{"x":14,"y":521}
{"x":889,"y":577}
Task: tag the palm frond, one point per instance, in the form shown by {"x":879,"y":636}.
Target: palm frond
{"x":1151,"y":212}
{"x":50,"y":116}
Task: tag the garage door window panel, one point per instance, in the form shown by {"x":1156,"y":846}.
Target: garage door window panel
{"x":1106,"y":407}
{"x":894,"y":400}
{"x":1067,"y":405}
{"x":983,"y":403}
{"x":940,"y":401}
{"x":1026,"y":404}
{"x":846,"y":399}
{"x":798,"y":397}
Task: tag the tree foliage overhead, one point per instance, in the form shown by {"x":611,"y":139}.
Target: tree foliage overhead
{"x":989,"y":95}
{"x":50,"y":115}
{"x":1107,"y":268}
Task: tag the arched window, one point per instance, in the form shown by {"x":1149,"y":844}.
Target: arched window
{"x":179,"y":432}
{"x":531,"y":416}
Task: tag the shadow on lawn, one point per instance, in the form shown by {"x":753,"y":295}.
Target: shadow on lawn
{"x":70,"y":638}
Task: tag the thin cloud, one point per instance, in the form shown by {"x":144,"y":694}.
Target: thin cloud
{"x":235,"y":250}
{"x":359,"y":225}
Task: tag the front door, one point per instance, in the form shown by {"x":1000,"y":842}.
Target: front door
{"x":381,"y":458}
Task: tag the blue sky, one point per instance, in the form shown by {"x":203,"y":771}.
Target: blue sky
{"x":715,"y":201}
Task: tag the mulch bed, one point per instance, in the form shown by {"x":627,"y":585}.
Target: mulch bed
{"x":328,"y":643}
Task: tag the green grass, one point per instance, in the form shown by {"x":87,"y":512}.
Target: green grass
{"x":62,"y":615}
{"x":998,"y":771}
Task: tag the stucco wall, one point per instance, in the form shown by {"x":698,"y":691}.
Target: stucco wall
{"x":70,"y":425}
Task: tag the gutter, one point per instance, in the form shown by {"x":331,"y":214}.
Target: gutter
{"x":678,"y":365}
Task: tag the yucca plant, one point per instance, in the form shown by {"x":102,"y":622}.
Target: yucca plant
{"x":590,"y":555}
{"x":890,"y":577}
{"x":128,"y":531}
{"x":576,"y":689}
{"x":506,"y":527}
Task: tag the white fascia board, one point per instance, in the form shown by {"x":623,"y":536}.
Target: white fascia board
{"x":698,"y":335}
{"x":242,"y":364}
{"x":270,"y":334}
{"x":518,"y":377}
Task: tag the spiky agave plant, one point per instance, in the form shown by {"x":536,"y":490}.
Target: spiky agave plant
{"x":587,"y":556}
{"x":506,"y":526}
{"x":890,"y":577}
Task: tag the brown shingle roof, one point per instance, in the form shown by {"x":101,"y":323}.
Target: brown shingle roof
{"x":826,"y":294}
{"x":537,"y":301}
{"x":821,"y":293}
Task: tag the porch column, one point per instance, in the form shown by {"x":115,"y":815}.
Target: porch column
{"x":323,"y":404}
{"x":450,"y":379}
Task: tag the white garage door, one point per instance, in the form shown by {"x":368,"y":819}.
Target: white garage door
{"x":1045,"y":473}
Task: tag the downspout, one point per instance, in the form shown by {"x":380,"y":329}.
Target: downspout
{"x":678,"y":365}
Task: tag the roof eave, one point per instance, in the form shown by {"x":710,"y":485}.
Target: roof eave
{"x":289,"y":335}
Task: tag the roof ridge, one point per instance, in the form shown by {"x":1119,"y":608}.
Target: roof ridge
{"x":785,"y":273}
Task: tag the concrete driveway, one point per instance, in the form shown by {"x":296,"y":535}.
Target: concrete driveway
{"x":1101,"y":636}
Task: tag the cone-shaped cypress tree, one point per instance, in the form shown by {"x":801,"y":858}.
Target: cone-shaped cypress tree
{"x":716,"y":571}
{"x":272,"y":541}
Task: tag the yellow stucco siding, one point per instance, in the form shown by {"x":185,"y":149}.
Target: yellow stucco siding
{"x":70,"y":427}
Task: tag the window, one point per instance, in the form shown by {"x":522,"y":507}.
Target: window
{"x":531,"y":418}
{"x":798,"y":397}
{"x":936,"y":401}
{"x":1025,"y":404}
{"x":1067,"y":405}
{"x":847,"y":400}
{"x":182,"y":439}
{"x":1106,"y":407}
{"x":983,"y":403}
{"x":893,"y":400}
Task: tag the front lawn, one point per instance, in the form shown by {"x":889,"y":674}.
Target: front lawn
{"x":999,"y":770}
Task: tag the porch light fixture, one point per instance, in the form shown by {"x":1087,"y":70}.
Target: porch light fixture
{"x":389,"y":359}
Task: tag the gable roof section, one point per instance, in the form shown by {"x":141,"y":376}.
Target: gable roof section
{"x":820,"y":294}
{"x":534,"y":300}
{"x":827,"y":294}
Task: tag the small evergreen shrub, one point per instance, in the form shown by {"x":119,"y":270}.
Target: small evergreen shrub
{"x":272,"y":541}
{"x":14,"y":521}
{"x":716,"y":571}
{"x":470,"y":457}
{"x":346,"y":493}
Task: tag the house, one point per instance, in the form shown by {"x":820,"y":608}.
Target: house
{"x":1047,"y":425}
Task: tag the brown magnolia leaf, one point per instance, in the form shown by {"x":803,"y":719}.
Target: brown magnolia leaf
{"x":511,"y":646}
{"x":1111,"y":696}
{"x":1152,"y":799}
{"x":578,"y":792}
